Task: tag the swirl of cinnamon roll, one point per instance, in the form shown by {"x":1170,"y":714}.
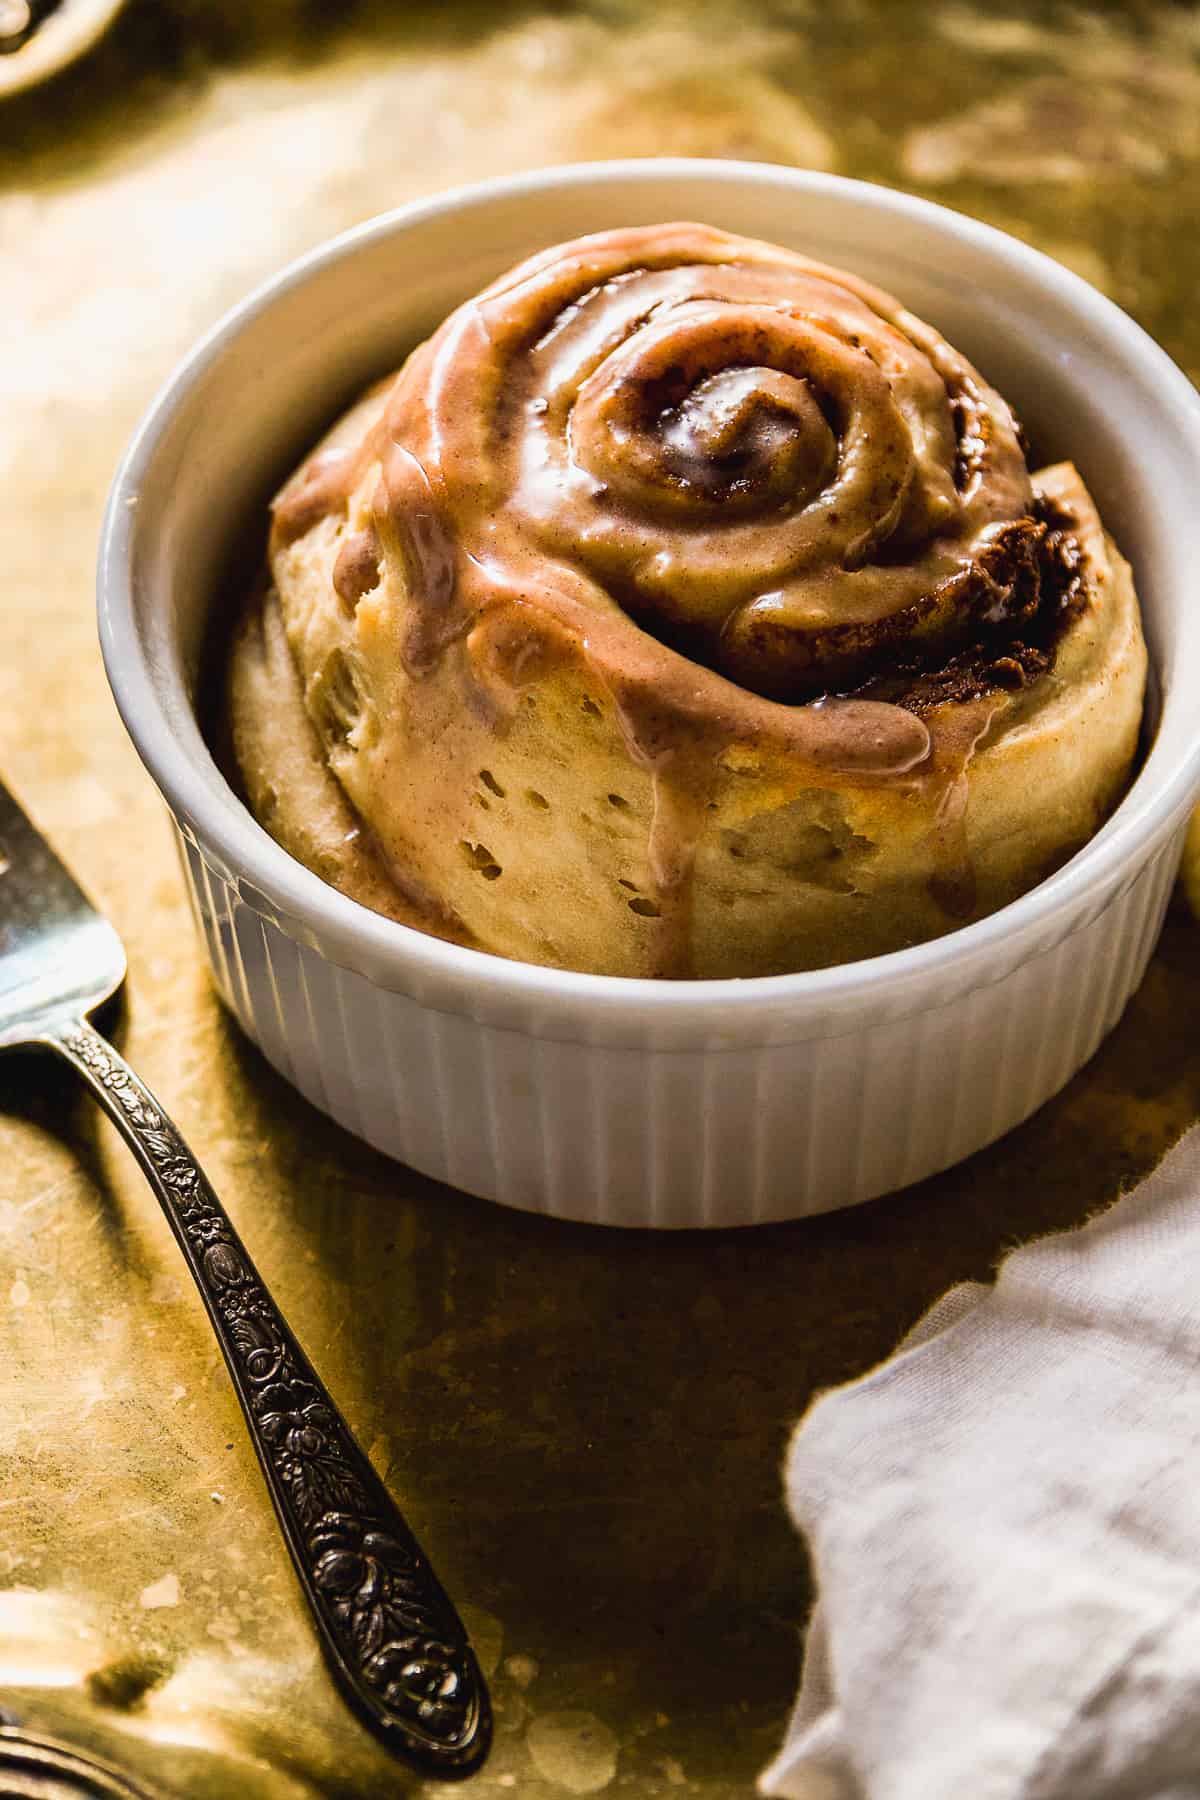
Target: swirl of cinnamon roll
{"x":685,"y":606}
{"x":761,"y":459}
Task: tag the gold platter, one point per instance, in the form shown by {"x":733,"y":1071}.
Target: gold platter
{"x":585,"y":1428}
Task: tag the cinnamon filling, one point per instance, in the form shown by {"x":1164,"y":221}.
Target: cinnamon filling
{"x":1026,"y":590}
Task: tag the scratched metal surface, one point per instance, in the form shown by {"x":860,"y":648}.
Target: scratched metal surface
{"x":585,"y":1427}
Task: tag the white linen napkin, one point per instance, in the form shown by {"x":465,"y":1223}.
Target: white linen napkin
{"x":1004,"y":1522}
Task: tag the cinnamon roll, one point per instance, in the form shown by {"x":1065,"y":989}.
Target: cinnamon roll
{"x":684,"y":607}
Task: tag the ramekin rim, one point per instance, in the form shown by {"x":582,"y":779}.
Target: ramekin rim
{"x":350,"y":933}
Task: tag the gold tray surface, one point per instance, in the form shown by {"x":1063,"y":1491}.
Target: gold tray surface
{"x":585,"y":1427}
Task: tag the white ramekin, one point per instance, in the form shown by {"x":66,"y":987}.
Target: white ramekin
{"x":622,"y":1101}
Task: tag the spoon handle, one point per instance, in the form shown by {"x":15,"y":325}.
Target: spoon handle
{"x":396,"y":1644}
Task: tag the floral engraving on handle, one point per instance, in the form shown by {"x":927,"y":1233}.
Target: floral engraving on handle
{"x":379,"y":1601}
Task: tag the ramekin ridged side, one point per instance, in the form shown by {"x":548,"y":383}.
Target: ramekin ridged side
{"x":615,"y":1100}
{"x":619,"y":1135}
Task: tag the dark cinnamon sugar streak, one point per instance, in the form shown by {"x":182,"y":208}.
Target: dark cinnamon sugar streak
{"x":1025,"y":590}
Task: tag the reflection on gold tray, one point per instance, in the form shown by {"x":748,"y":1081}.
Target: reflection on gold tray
{"x":45,"y":39}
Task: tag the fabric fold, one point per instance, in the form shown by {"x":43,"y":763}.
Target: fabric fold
{"x":1004,"y":1523}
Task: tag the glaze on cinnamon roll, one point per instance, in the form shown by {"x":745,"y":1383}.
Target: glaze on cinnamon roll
{"x":684,"y":607}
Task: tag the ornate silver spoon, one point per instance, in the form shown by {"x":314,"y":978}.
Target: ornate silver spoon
{"x":393,"y":1638}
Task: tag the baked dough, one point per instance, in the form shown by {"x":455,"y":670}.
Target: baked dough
{"x":685,"y":608}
